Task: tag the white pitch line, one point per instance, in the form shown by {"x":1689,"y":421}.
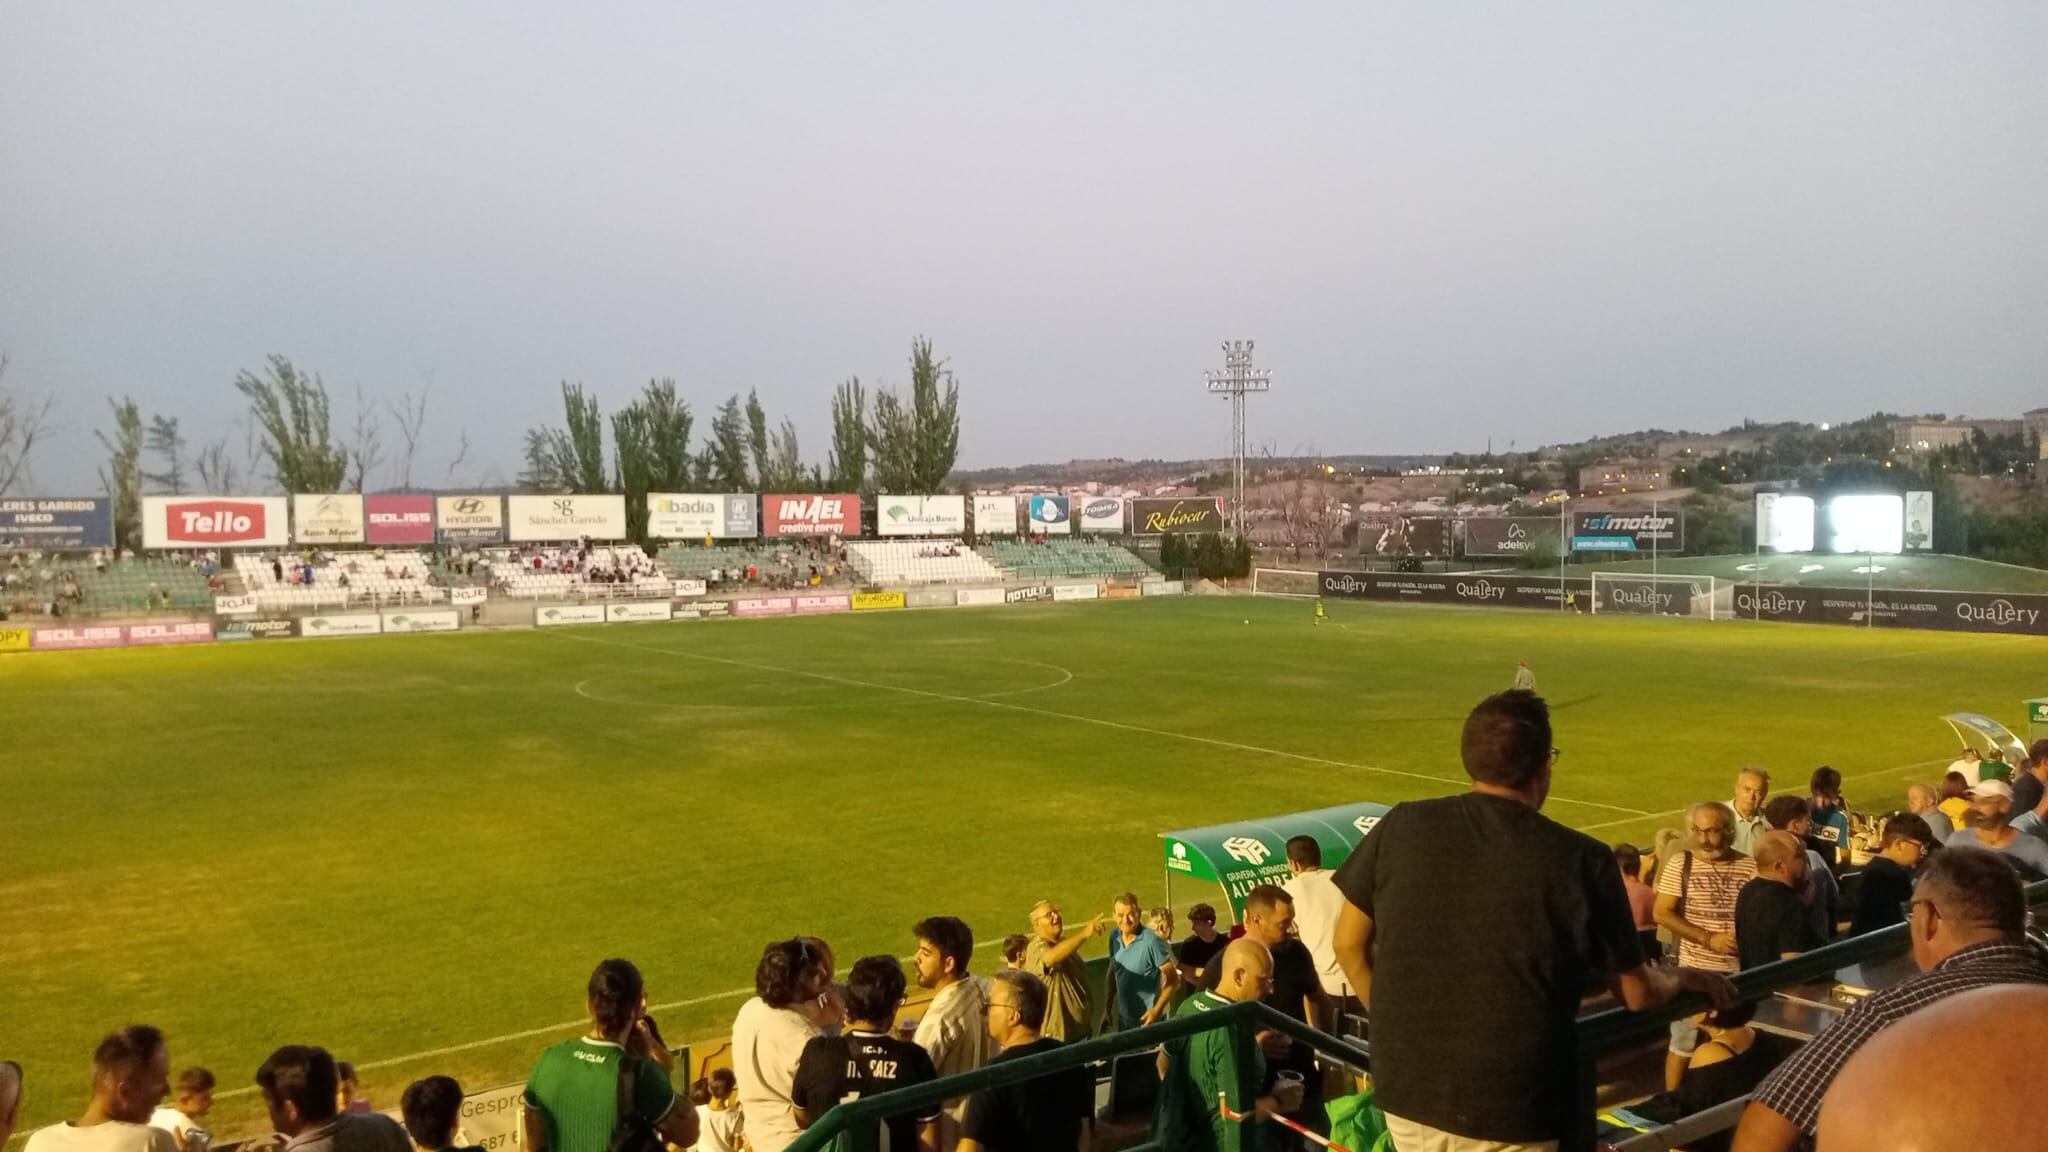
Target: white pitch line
{"x":1027,"y":709}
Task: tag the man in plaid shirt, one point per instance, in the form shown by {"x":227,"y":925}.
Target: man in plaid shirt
{"x":1967,"y":922}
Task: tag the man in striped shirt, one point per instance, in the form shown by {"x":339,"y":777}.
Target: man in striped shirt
{"x":1968,"y":929}
{"x":1696,"y":893}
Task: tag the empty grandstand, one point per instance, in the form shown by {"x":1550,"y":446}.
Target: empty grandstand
{"x":919,"y":562}
{"x":1056,"y":558}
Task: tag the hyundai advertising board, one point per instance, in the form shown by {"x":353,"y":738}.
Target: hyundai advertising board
{"x":470,"y":519}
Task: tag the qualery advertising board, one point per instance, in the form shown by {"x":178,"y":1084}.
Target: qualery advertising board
{"x":327,"y":518}
{"x":215,"y":521}
{"x":535,"y":519}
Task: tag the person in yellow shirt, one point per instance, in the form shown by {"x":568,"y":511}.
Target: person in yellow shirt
{"x":1955,"y":798}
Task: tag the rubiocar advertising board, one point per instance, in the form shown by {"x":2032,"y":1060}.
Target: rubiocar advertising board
{"x":1456,"y":588}
{"x":56,"y":524}
{"x":1161,"y":516}
{"x":215,"y":521}
{"x":921,"y":515}
{"x":538,"y":519}
{"x":697,"y":515}
{"x":2021,"y":615}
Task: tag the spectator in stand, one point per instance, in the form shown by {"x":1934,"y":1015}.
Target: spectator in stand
{"x":348,"y":1095}
{"x":131,"y":1074}
{"x":868,"y":1059}
{"x":1994,"y":767}
{"x":2030,"y":783}
{"x":1014,"y":947}
{"x":572,"y":1097}
{"x":720,"y":1123}
{"x":792,"y":981}
{"x":1830,"y":814}
{"x":1730,"y":1062}
{"x":1198,"y":1073}
{"x":1696,"y":896}
{"x":432,"y":1109}
{"x":1203,"y":944}
{"x":1967,"y":766}
{"x":1642,"y":899}
{"x":1968,"y":930}
{"x":1887,"y":881}
{"x":1995,"y":828}
{"x":1295,"y":991}
{"x":954,"y":1030}
{"x":181,"y":1117}
{"x":827,"y":1012}
{"x":1160,"y":921}
{"x":276,"y":570}
{"x":1317,"y":904}
{"x":1446,"y":1016}
{"x":1752,"y":785}
{"x":1055,"y":958}
{"x":1922,"y":801}
{"x":1822,"y":893}
{"x":1141,"y":969}
{"x":301,"y":1087}
{"x":1048,"y":1114}
{"x":1879,"y":1100}
{"x":10,"y":1099}
{"x":1770,"y":919}
{"x":1955,"y":800}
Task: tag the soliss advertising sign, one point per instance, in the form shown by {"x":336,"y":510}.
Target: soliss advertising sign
{"x":1157,"y":517}
{"x":696,"y":515}
{"x":1051,"y":515}
{"x":545,"y":518}
{"x":470,"y":519}
{"x":1635,"y":531}
{"x":56,"y":525}
{"x":995,"y":515}
{"x":214,"y":521}
{"x":830,"y":514}
{"x":327,"y":518}
{"x":399,"y":519}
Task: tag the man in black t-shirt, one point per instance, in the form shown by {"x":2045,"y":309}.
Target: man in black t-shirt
{"x":1491,"y":922}
{"x":867,"y":1060}
{"x":1887,"y":881}
{"x":1047,"y":1114}
{"x":1203,"y":944}
{"x":1770,"y":918}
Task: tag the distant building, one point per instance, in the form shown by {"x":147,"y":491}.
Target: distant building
{"x":1928,"y":435}
{"x":1621,"y":476}
{"x":2036,"y":421}
{"x":1681,"y":448}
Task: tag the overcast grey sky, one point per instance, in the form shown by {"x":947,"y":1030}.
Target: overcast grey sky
{"x":1441,"y":221}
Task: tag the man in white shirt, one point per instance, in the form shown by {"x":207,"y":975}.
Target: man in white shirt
{"x":1317,"y":903}
{"x":131,"y":1074}
{"x":182,"y":1115}
{"x":954,"y":1030}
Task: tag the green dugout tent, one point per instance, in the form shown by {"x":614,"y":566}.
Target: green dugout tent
{"x":1243,"y":855}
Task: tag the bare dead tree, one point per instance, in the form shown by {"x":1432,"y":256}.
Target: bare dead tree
{"x":24,"y":421}
{"x":366,"y":445}
{"x":461,"y":454}
{"x":410,"y":414}
{"x":217,"y":468}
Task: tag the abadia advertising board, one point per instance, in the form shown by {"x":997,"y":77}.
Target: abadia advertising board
{"x":213,"y":521}
{"x":1628,"y":531}
{"x":831,"y":514}
{"x":1455,"y":588}
{"x":2019,"y":615}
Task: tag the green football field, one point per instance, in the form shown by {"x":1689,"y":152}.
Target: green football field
{"x":413,"y":849}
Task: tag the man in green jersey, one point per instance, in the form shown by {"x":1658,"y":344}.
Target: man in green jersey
{"x":572,"y":1098}
{"x":1197,"y":1073}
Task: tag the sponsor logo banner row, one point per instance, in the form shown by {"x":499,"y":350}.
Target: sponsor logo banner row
{"x":2025,"y":615}
{"x":1158,"y":517}
{"x":921,"y":516}
{"x":1453,"y":588}
{"x":56,"y":524}
{"x":111,"y":636}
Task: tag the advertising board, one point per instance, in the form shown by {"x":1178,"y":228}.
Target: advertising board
{"x":243,"y":605}
{"x":1051,"y":515}
{"x":2023,"y":615}
{"x":255,"y":630}
{"x":1076,"y":591}
{"x":831,"y":514}
{"x":1102,"y":514}
{"x":1120,"y":592}
{"x":1029,"y":594}
{"x":1456,"y":588}
{"x":398,"y":519}
{"x":761,"y":606}
{"x":15,"y":639}
{"x":1162,"y":588}
{"x":490,"y":1120}
{"x":327,"y":518}
{"x":468,"y":596}
{"x":921,"y":516}
{"x":56,"y":524}
{"x":568,"y":614}
{"x":812,"y":605}
{"x":687,"y":588}
{"x":176,"y":632}
{"x":629,"y":613}
{"x":469,"y":519}
{"x":978,"y":597}
{"x":214,"y":521}
{"x":94,"y":636}
{"x":1511,"y":536}
{"x":545,"y":518}
{"x":1919,"y":521}
{"x":1405,"y":535}
{"x":1158,"y":517}
{"x":423,"y":620}
{"x":696,"y":515}
{"x":354,"y":624}
{"x":1632,"y":531}
{"x":995,"y":515}
{"x":876,"y":601}
{"x":704,"y":610}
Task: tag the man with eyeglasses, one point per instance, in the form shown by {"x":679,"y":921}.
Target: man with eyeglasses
{"x":1887,"y":881}
{"x":1967,"y":924}
{"x":1047,"y":1114}
{"x":1696,"y":895}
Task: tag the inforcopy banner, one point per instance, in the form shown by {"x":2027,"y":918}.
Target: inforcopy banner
{"x":1052,"y":515}
{"x":876,"y":601}
{"x":470,"y":519}
{"x":995,"y":515}
{"x":399,"y":519}
{"x":214,"y":521}
{"x":1157,"y":517}
{"x":327,"y":518}
{"x":544,"y":518}
{"x":15,"y":639}
{"x":56,"y":524}
{"x":1102,"y":514}
{"x":696,"y":515}
{"x":921,"y":516}
{"x":1456,"y":588}
{"x":354,"y":624}
{"x":832,"y":514}
{"x":1946,"y":611}
{"x":1635,"y":531}
{"x":1511,"y":536}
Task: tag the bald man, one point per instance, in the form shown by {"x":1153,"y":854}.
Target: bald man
{"x":1880,"y":1099}
{"x":1197,"y":1072}
{"x":1925,"y":802}
{"x":1770,"y":917}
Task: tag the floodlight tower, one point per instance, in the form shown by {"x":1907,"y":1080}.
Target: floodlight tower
{"x":1236,"y":380}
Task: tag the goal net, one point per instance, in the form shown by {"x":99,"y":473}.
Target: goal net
{"x":1642,"y":594}
{"x":1283,"y":582}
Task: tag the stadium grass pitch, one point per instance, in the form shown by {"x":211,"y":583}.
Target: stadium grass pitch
{"x":413,"y":849}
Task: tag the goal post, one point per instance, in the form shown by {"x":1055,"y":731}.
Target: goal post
{"x":1643,"y":594}
{"x":1289,"y":582}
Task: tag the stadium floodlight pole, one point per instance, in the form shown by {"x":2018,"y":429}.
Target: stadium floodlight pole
{"x":1238,"y":378}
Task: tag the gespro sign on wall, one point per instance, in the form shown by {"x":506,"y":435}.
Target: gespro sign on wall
{"x":1051,"y":515}
{"x":214,"y":521}
{"x":1102,"y":514}
{"x":1455,"y":588}
{"x":1158,"y":517}
{"x":398,"y":519}
{"x":2021,"y":615}
{"x":543,"y":518}
{"x":696,"y":515}
{"x":995,"y":515}
{"x":1636,"y":531}
{"x":327,"y":518}
{"x":921,"y":516}
{"x":1511,"y":536}
{"x":469,"y":519}
{"x":830,"y":514}
{"x":56,"y":524}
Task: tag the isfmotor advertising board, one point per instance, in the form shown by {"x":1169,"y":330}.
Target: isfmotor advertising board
{"x":1636,"y":530}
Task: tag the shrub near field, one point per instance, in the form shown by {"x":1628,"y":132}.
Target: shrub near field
{"x":401,"y":845}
